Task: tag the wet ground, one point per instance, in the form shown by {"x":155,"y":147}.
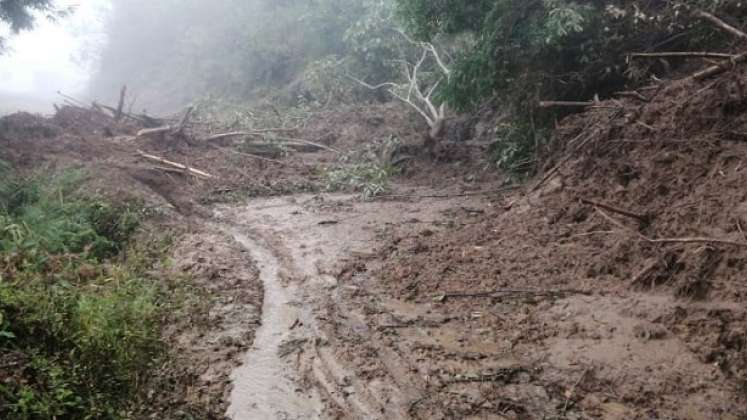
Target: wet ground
{"x":337,"y":342}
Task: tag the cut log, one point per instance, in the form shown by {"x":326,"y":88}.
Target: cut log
{"x":720,"y":68}
{"x":179,"y":166}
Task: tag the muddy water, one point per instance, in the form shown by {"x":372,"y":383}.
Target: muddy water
{"x":265,"y":387}
{"x":297,"y":242}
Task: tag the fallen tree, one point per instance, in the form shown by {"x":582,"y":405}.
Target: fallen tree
{"x":417,"y":93}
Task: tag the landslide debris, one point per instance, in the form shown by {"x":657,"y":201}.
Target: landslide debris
{"x":640,"y":214}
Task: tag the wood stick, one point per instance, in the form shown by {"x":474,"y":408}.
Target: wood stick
{"x":685,"y":54}
{"x":309,"y":143}
{"x":698,"y":240}
{"x":620,"y":225}
{"x":721,"y":24}
{"x":642,"y":218}
{"x":186,"y":168}
{"x":550,"y":104}
{"x":693,"y":240}
{"x":633,"y":94}
{"x":120,"y":106}
{"x":257,"y":132}
{"x":645,"y":271}
{"x":249,"y":155}
{"x":184,"y":121}
{"x":720,"y":68}
{"x":151,"y":131}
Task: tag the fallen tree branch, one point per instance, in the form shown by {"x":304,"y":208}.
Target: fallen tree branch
{"x":180,"y":166}
{"x":258,"y":132}
{"x":308,"y":143}
{"x":120,"y":106}
{"x":506,"y":374}
{"x":249,"y":155}
{"x":640,"y":217}
{"x":621,"y":225}
{"x":682,"y":54}
{"x":550,"y":104}
{"x":183,"y":123}
{"x":633,"y":94}
{"x":693,"y":240}
{"x":720,"y":68}
{"x":152,"y":131}
{"x":721,"y":24}
{"x":697,"y":240}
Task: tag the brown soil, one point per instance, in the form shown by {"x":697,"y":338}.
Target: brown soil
{"x":441,"y":304}
{"x":561,"y":309}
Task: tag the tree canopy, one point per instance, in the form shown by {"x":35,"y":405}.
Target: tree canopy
{"x":20,"y":15}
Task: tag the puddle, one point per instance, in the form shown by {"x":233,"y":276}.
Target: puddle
{"x":266,"y":386}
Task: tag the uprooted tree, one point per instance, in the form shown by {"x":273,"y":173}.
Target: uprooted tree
{"x":420,"y":81}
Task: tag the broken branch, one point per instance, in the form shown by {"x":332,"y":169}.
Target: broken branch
{"x":721,"y":24}
{"x":685,"y":54}
{"x":642,"y":218}
{"x":152,"y":131}
{"x":183,"y":123}
{"x":120,"y":106}
{"x":698,"y":241}
{"x":550,"y":104}
{"x":720,"y":68}
{"x":180,"y":166}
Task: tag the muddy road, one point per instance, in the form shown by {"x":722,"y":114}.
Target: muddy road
{"x":301,"y":244}
{"x":337,"y":342}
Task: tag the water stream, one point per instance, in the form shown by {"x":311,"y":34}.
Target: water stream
{"x":265,"y":386}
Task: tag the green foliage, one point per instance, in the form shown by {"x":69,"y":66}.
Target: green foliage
{"x":20,"y":15}
{"x":367,"y":171}
{"x":517,"y":145}
{"x":240,"y":50}
{"x":80,"y":319}
{"x":39,"y":217}
{"x":525,"y":51}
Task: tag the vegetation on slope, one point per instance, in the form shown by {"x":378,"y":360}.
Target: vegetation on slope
{"x":79,"y":313}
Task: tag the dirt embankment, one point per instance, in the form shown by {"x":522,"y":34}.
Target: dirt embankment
{"x":615,"y":290}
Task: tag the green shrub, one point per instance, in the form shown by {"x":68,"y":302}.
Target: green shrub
{"x":367,"y":171}
{"x":84,"y":318}
{"x":525,"y":51}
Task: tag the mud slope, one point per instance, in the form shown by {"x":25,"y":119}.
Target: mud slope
{"x":616,"y":288}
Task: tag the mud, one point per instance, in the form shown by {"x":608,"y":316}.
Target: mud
{"x":302,"y":243}
{"x":529,"y":305}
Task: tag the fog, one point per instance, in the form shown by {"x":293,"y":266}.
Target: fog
{"x":171,"y":53}
{"x":54,"y":56}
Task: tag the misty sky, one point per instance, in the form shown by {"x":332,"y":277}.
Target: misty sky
{"x":54,"y":55}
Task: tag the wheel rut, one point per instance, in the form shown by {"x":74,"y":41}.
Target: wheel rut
{"x":301,"y":364}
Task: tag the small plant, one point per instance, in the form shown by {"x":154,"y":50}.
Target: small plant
{"x":367,"y":171}
{"x":516,"y":146}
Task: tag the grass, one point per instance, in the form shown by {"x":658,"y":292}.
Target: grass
{"x":367,"y":171}
{"x":79,"y":313}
